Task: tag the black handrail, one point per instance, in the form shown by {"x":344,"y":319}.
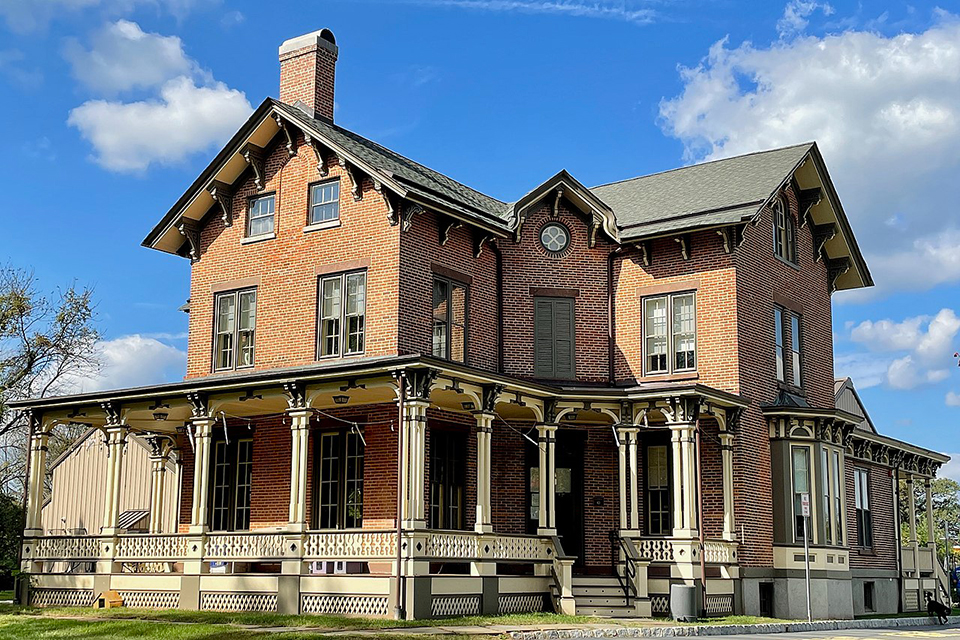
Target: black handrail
{"x":627,"y":580}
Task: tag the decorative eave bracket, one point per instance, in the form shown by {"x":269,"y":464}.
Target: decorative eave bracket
{"x":646,"y":255}
{"x":320,"y":152}
{"x":479,"y":239}
{"x":255,"y":157}
{"x":445,"y":226}
{"x":356,"y":178}
{"x":836,"y":267}
{"x":190,"y":230}
{"x":290,"y":144}
{"x":684,"y":241}
{"x":822,"y":234}
{"x":732,"y":237}
{"x":222,"y":193}
{"x":808,"y":199}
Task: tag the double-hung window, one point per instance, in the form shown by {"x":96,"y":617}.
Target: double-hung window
{"x":447,"y":479}
{"x":784,"y":231}
{"x":801,"y":485}
{"x":342,"y":309}
{"x":838,"y":483}
{"x":324,"y":202}
{"x":658,"y":490}
{"x":788,"y":356}
{"x":232,"y":480}
{"x":449,"y":319}
{"x":825,"y":494}
{"x":235,"y":327}
{"x":670,"y":333}
{"x":861,"y":479}
{"x":338,"y":497}
{"x":260,"y":219}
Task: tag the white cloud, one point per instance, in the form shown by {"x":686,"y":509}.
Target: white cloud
{"x":928,"y":344}
{"x":952,"y":468}
{"x":952,"y":399}
{"x":123,"y":57}
{"x":885,"y":112}
{"x":129,"y":137}
{"x":131,"y":361}
{"x":622,"y":11}
{"x":866,"y":370}
{"x":24,"y":16}
{"x":796,"y":14}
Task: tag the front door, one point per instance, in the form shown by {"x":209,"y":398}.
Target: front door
{"x":569,"y":491}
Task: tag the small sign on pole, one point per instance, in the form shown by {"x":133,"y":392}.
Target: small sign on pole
{"x":805,"y":512}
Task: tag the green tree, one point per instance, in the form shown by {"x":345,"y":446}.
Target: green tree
{"x":946,"y":511}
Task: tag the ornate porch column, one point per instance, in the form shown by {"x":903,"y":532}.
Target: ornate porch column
{"x":931,"y":528}
{"x":547,"y":443}
{"x":38,"y":472}
{"x":911,"y":511}
{"x":414,"y":463}
{"x":116,"y":440}
{"x":726,"y":453}
{"x":684,"y":480}
{"x":484,"y":522}
{"x":299,"y":450}
{"x":203,"y":430}
{"x":160,"y":448}
{"x":629,"y":495}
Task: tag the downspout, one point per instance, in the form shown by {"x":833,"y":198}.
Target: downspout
{"x":611,"y":319}
{"x":896,"y":483}
{"x":402,"y":383}
{"x":496,"y":252}
{"x":700,"y":522}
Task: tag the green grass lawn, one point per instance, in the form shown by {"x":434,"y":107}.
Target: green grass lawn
{"x":6,"y":595}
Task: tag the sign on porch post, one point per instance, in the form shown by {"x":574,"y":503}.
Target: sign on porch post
{"x":805,"y":512}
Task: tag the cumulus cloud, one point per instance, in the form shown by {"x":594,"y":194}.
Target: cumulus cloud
{"x":952,"y":399}
{"x":131,"y":361}
{"x":952,"y":468}
{"x":122,"y":57}
{"x":190,"y":112}
{"x":920,"y":349}
{"x":185,"y":119}
{"x":796,"y":14}
{"x":885,"y":111}
{"x":622,"y":11}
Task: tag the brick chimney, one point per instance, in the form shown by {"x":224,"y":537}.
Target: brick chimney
{"x":307,"y":69}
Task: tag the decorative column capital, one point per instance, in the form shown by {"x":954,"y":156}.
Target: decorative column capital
{"x":484,"y":420}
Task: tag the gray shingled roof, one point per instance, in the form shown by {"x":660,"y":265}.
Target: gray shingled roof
{"x":413,"y":174}
{"x":712,"y":193}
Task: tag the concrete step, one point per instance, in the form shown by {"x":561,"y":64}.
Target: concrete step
{"x":612,"y":590}
{"x":597,"y":601}
{"x":606,"y":612}
{"x":595,"y":581}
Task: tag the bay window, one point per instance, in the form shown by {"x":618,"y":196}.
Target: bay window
{"x":800,"y":457}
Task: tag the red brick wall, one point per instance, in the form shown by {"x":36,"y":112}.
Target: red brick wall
{"x":286,"y":266}
{"x":759,"y":275}
{"x":420,"y":249}
{"x":883,"y":555}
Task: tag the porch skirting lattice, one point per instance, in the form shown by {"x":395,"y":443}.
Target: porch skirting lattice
{"x":61,"y":597}
{"x":344,"y":605}
{"x":225,"y":601}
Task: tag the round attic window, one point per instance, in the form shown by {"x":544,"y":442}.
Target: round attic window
{"x":554,"y":237}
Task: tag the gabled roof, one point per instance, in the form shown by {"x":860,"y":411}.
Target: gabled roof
{"x":707,"y":194}
{"x":849,"y":400}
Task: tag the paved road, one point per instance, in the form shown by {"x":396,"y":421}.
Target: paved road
{"x":861,"y":634}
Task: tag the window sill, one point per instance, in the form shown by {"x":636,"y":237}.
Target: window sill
{"x":669,"y":377}
{"x":797,"y":391}
{"x":789,"y":263}
{"x":329,"y":224}
{"x":866,"y":551}
{"x":260,"y":238}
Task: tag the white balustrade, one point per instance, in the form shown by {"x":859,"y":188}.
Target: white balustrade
{"x":354,"y":545}
{"x":62,"y":548}
{"x":153,"y":547}
{"x":248,"y":546}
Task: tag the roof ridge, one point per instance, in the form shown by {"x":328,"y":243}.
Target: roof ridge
{"x":701,"y":164}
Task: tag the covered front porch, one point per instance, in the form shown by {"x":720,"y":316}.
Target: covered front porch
{"x":512,"y":496}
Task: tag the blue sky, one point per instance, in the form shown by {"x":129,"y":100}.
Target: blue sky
{"x":113,"y":106}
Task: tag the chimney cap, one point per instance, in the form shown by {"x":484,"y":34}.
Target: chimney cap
{"x":322,"y":38}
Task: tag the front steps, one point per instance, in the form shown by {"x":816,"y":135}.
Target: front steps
{"x":602,"y":596}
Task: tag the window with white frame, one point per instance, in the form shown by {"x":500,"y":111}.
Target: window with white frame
{"x":838,"y":483}
{"x":235,"y":328}
{"x":788,"y":357}
{"x":801,"y":485}
{"x":342,"y":310}
{"x":324,"y":202}
{"x":670,"y":333}
{"x":825,"y":495}
{"x":861,"y":479}
{"x":784,"y":231}
{"x":449,"y":319}
{"x":260,"y":219}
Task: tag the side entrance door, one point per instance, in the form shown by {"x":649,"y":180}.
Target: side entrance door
{"x":569,"y":491}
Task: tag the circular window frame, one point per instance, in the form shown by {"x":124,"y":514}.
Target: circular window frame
{"x":558,"y":253}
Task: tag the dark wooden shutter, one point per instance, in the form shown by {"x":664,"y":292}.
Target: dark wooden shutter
{"x":554,"y":348}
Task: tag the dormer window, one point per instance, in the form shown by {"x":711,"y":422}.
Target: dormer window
{"x":260,"y":220}
{"x":784,"y":231}
{"x":324,"y":202}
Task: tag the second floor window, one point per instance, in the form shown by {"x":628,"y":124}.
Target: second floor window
{"x":553,"y":338}
{"x":342,"y":302}
{"x":324,"y":202}
{"x":670,"y":334}
{"x":260,"y":219}
{"x":236,"y":323}
{"x":658,"y":490}
{"x":861,"y":479}
{"x":784,"y":231}
{"x":788,"y":357}
{"x":449,"y":320}
{"x":232,"y":481}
